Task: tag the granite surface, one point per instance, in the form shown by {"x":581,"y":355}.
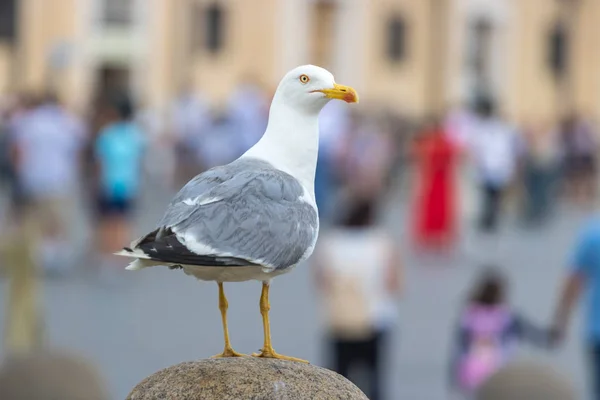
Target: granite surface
{"x":528,"y":380}
{"x":51,"y":374}
{"x":245,"y":378}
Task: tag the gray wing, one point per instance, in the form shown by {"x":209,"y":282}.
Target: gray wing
{"x":178,"y":210}
{"x":245,"y":213}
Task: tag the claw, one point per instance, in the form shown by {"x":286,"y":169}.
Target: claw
{"x":272,"y":354}
{"x":229,"y":352}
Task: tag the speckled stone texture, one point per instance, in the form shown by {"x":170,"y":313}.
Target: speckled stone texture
{"x":528,"y":380}
{"x":50,"y":374}
{"x":245,"y":378}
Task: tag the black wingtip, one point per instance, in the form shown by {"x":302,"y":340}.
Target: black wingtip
{"x":128,"y":249}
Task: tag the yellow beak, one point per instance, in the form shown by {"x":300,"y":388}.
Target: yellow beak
{"x":341,"y":92}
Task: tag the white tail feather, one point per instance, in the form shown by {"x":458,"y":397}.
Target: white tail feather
{"x":142,"y":260}
{"x":124,"y":253}
{"x":138,"y":264}
{"x":135,"y":265}
{"x":132,"y":254}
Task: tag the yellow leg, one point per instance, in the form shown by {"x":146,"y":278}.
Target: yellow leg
{"x":223,"y":305}
{"x":267,"y":350}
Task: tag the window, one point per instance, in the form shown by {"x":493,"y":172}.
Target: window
{"x":118,"y":12}
{"x":479,"y":58}
{"x":8,"y":19}
{"x":558,"y":50}
{"x":482,"y":45}
{"x":322,"y":33}
{"x":214,"y":22}
{"x":396,"y":32}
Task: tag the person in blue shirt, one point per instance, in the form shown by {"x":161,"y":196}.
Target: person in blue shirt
{"x":584,"y":278}
{"x":118,"y":150}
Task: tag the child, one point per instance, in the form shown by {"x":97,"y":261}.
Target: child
{"x":359,"y":272}
{"x":119,"y":149}
{"x":488,"y":330}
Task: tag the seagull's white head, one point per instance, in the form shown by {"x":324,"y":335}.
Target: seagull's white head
{"x":291,"y":140}
{"x":309,"y":88}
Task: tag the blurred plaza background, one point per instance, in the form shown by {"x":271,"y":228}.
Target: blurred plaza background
{"x":484,"y":109}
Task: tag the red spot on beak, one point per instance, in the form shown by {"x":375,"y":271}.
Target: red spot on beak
{"x":349,"y":98}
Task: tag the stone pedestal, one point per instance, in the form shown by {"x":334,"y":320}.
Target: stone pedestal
{"x":527,"y":380}
{"x":51,"y":374}
{"x":245,"y":378}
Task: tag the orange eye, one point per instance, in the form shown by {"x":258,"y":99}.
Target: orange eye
{"x":304,"y":78}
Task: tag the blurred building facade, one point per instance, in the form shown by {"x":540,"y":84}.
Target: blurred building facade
{"x":537,"y":57}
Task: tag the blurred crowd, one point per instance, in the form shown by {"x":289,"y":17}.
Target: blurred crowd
{"x":48,"y":153}
{"x":466,"y":152}
{"x":50,"y":156}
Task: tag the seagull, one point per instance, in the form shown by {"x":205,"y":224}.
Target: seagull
{"x":256,"y":217}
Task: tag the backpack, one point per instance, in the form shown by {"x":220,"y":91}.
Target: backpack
{"x":348,"y":309}
{"x":486,"y":349}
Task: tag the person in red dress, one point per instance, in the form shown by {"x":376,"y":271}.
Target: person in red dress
{"x":434,"y":215}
